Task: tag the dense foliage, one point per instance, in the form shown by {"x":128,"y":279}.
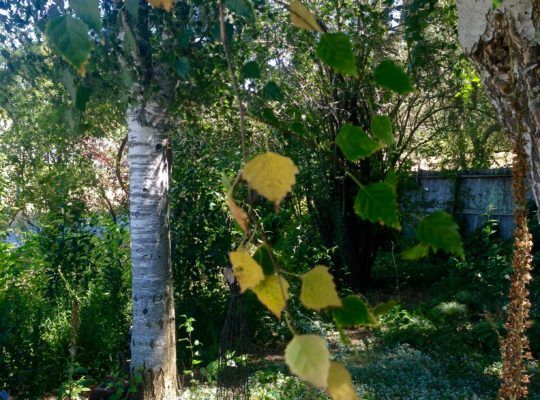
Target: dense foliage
{"x":354,"y":94}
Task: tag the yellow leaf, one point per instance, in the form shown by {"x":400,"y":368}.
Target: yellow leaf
{"x":302,"y":18}
{"x":318,"y":289}
{"x":246,"y":270}
{"x":308,"y":358}
{"x":340,"y":386}
{"x":166,"y":4}
{"x":238,"y":213}
{"x":271,"y":175}
{"x":273,"y":294}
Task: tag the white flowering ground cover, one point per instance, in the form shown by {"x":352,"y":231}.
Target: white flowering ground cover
{"x":399,"y":372}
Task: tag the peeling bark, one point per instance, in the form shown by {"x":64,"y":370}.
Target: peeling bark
{"x":504,"y":45}
{"x":153,"y":345}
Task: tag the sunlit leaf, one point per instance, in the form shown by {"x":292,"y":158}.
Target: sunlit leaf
{"x":69,"y":37}
{"x":354,"y":143}
{"x":354,"y":312}
{"x":378,"y":203}
{"x":391,"y":76}
{"x":238,"y":213}
{"x":88,"y":11}
{"x":273,"y":292}
{"x":318,"y":289}
{"x":165,"y":4}
{"x":340,"y":386}
{"x":271,"y":175}
{"x":335,"y":50}
{"x":302,"y":18}
{"x":415,"y":253}
{"x":246,"y":271}
{"x":381,"y":128}
{"x":307,"y":357}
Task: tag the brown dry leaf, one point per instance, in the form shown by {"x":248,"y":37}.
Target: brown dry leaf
{"x":238,"y":213}
{"x":302,"y":18}
{"x":165,"y":4}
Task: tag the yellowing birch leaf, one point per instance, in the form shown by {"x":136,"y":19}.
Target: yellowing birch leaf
{"x":340,"y":386}
{"x":308,"y":358}
{"x":302,"y":18}
{"x":318,"y":289}
{"x":238,"y":213}
{"x":271,"y":175}
{"x":246,"y":271}
{"x":166,"y":4}
{"x":273,"y":294}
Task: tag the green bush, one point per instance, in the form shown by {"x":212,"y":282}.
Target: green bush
{"x":75,"y":257}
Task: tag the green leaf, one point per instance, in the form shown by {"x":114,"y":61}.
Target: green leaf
{"x":415,"y":253}
{"x":263,"y":256}
{"x":391,"y":76}
{"x":241,"y":7}
{"x":272,"y":91}
{"x":88,"y":11}
{"x":132,"y":7}
{"x":335,"y":50}
{"x":354,"y":143}
{"x":318,"y":289}
{"x":181,"y":67}
{"x":378,"y":203}
{"x":384,"y":308}
{"x":308,"y":358}
{"x":355,"y":312}
{"x":381,"y":128}
{"x":439,"y":231}
{"x":251,"y":70}
{"x":69,"y":37}
{"x":391,"y":179}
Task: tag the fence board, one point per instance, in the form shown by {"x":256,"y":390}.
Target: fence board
{"x":472,"y":197}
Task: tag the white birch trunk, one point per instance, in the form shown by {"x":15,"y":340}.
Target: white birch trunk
{"x":153,"y":339}
{"x":504,"y":44}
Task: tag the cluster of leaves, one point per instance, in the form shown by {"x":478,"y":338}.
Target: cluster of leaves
{"x":273,"y":176}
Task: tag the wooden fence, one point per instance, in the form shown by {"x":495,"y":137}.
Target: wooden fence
{"x":473,"y":197}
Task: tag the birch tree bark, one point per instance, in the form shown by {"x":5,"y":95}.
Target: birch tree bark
{"x":504,"y":44}
{"x":503,"y":41}
{"x":153,"y":343}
